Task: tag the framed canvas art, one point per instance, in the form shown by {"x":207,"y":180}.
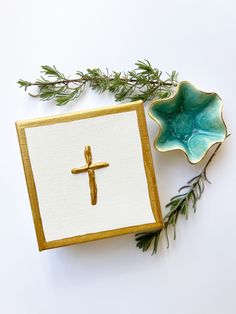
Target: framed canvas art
{"x":89,"y":175}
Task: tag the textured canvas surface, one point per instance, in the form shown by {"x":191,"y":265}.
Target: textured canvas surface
{"x":64,"y":198}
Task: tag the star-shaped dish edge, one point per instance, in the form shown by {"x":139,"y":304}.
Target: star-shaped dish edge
{"x":217,"y":109}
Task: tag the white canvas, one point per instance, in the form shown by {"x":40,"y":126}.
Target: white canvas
{"x":64,"y":198}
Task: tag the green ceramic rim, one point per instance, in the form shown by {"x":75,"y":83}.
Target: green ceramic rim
{"x":178,"y":148}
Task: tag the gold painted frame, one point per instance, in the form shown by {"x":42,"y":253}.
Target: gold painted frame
{"x":148,"y":165}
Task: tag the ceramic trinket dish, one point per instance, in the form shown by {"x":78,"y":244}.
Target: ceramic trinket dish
{"x":190,"y":121}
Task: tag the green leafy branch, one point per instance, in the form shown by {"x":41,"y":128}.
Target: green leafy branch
{"x":144,"y":82}
{"x":180,"y":204}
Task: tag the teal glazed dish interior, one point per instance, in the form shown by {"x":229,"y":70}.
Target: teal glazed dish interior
{"x":190,"y":121}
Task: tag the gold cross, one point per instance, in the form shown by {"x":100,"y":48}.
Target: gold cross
{"x":90,"y":167}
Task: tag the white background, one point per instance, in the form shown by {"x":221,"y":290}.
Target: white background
{"x":197,"y":273}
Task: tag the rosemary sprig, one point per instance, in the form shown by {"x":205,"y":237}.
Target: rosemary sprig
{"x":144,"y":82}
{"x":180,"y":204}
